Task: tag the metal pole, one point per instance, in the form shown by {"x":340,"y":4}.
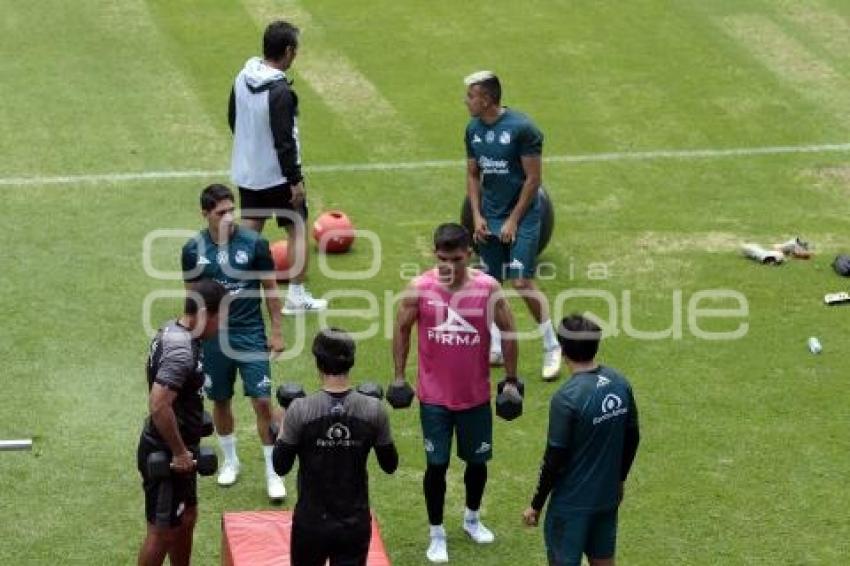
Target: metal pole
{"x":22,"y":444}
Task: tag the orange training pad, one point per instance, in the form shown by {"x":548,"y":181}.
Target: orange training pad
{"x":261,"y":538}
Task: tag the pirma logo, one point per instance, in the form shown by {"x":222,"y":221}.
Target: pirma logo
{"x":454,"y":331}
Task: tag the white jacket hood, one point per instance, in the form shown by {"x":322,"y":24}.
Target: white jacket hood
{"x":257,"y":74}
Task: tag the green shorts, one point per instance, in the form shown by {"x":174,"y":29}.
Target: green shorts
{"x":511,"y":261}
{"x":474,"y":433}
{"x":250,"y":358}
{"x":569,"y":534}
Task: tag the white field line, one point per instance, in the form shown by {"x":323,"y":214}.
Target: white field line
{"x":682,"y":154}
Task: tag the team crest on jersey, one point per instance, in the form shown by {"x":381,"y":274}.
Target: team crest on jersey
{"x":241,"y":257}
{"x":490,"y":136}
{"x":221,"y":257}
{"x":505,"y":138}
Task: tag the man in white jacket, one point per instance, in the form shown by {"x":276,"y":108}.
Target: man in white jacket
{"x":266,"y":158}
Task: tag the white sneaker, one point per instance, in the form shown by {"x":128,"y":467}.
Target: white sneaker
{"x":497,"y":358}
{"x":275,"y":487}
{"x":478,"y":532}
{"x":228,"y":473}
{"x":303,"y":302}
{"x":437,"y":549}
{"x":551,"y":363}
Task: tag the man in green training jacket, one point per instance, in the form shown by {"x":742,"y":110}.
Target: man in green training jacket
{"x":592,"y":442}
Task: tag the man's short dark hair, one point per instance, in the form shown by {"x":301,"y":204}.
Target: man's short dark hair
{"x":214,"y":194}
{"x":278,"y":36}
{"x":204,"y":291}
{"x":450,"y":237}
{"x":579,"y":338}
{"x":488,"y":83}
{"x":334,"y":350}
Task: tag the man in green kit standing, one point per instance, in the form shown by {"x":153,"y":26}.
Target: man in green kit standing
{"x":240,"y":260}
{"x":592,"y":441}
{"x":504,"y":173}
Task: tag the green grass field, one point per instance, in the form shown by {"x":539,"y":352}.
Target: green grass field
{"x":744,"y":451}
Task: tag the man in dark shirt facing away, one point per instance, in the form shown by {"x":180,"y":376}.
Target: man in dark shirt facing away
{"x":332,"y":432}
{"x":176,"y":378}
{"x":592,"y":441}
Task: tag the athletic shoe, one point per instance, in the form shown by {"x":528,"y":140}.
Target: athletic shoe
{"x":275,"y":488}
{"x":228,"y":473}
{"x":478,"y":532}
{"x":497,"y":358}
{"x":437,"y":549}
{"x":551,"y":363}
{"x":303,"y":302}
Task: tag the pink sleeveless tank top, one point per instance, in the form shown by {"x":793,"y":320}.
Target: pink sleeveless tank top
{"x":454,"y":341}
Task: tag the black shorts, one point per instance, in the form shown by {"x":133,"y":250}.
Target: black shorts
{"x":166,"y":500}
{"x":342,"y":543}
{"x":274,"y":201}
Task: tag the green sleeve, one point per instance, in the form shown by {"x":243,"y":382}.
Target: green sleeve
{"x":189,"y":261}
{"x":561,"y":416}
{"x":530,"y":140}
{"x":262,"y":256}
{"x":632,"y":415}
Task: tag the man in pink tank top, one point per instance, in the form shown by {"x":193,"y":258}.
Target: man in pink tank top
{"x":453,"y":307}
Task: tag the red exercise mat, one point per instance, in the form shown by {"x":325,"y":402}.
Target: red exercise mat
{"x":261,"y":538}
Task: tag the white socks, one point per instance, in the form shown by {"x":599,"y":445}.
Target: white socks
{"x":228,"y":447}
{"x":296,"y":289}
{"x":550,"y":341}
{"x":470,"y":516}
{"x":267,"y":456}
{"x":437,"y":531}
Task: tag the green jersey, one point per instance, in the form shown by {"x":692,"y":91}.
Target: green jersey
{"x":588,"y":416}
{"x":498,"y":148}
{"x":238,"y":265}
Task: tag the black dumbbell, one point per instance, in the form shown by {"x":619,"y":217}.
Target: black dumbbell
{"x":289,"y":392}
{"x":371,"y":389}
{"x":508,"y":407}
{"x":207,"y":427}
{"x":400,"y":396}
{"x":159,"y":463}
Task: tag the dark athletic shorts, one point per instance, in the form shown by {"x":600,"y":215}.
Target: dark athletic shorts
{"x":569,"y":534}
{"x":342,"y":543}
{"x":474,"y":433}
{"x":166,"y":500}
{"x":274,"y":201}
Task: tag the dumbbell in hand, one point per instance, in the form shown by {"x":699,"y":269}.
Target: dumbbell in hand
{"x":159,"y":463}
{"x":286,"y":394}
{"x":509,"y":400}
{"x":371,"y":389}
{"x":289,"y":392}
{"x":400,"y":394}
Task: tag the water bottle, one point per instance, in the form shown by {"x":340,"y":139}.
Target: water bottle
{"x":814,"y":345}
